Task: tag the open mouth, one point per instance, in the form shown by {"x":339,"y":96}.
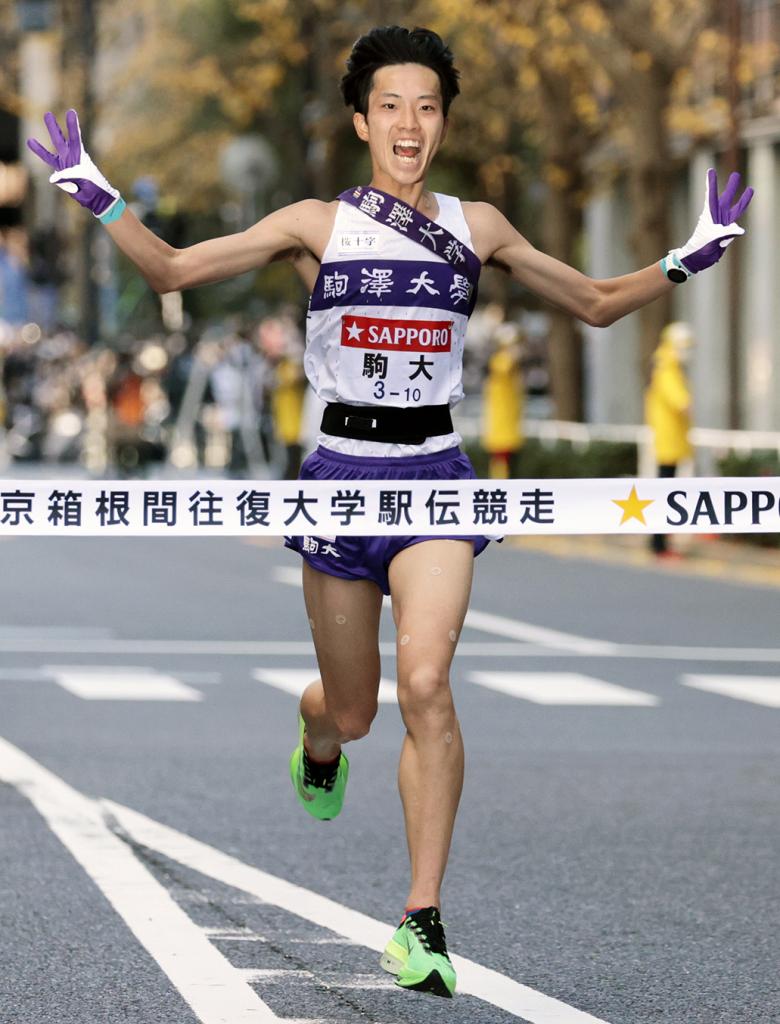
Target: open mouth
{"x":407,"y":150}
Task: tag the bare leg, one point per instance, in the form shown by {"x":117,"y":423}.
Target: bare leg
{"x":430,"y":584}
{"x":344,"y":620}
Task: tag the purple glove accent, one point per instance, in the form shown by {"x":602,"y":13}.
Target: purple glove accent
{"x":721,"y":210}
{"x":90,"y":195}
{"x":721,"y":213}
{"x":707,"y":256}
{"x":68,"y":151}
{"x":74,"y":171}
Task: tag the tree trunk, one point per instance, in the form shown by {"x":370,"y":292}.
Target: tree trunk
{"x":562,"y":224}
{"x":563,"y":149}
{"x":650,"y":184}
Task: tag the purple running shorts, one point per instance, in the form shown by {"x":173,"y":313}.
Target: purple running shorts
{"x":368,"y":558}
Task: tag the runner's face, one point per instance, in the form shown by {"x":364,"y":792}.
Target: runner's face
{"x":404,"y":106}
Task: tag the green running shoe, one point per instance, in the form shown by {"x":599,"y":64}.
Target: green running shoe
{"x":320,"y":791}
{"x":417,"y":954}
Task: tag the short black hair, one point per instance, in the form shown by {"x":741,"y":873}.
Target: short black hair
{"x":395,"y":45}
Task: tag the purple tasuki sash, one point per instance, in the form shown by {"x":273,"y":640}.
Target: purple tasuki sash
{"x":394,"y":213}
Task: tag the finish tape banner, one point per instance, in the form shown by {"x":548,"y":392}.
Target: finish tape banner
{"x":326,"y":509}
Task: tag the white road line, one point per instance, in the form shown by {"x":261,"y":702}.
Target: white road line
{"x":330,"y":940}
{"x":516,"y":630}
{"x":367,"y":981}
{"x":755,"y":689}
{"x":499,"y":625}
{"x":233,"y":934}
{"x":666,"y":652}
{"x":473,"y":979}
{"x":308,"y":1020}
{"x":288,"y":574}
{"x":562,"y":688}
{"x":54,"y":632}
{"x":295,"y":681}
{"x":254,"y":975}
{"x":252,"y":648}
{"x":112,"y":682}
{"x":304,"y":648}
{"x":206,"y":981}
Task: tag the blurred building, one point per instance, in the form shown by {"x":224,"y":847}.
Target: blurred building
{"x":614,"y":386}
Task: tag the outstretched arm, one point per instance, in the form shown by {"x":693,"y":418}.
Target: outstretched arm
{"x":278,"y":236}
{"x":600,"y":303}
{"x":165,"y":268}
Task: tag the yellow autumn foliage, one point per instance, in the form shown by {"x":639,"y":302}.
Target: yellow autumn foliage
{"x":202,"y":71}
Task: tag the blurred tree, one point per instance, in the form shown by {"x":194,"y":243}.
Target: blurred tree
{"x":602,"y":89}
{"x":9,"y":43}
{"x":208,"y":70}
{"x":14,"y":183}
{"x":539,"y":89}
{"x":192,"y":75}
{"x":642,"y":46}
{"x":558,"y":96}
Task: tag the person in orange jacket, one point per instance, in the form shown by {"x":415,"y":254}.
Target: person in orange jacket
{"x":667,"y":407}
{"x":502,"y":403}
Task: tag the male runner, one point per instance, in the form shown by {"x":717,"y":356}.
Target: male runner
{"x":392,"y":269}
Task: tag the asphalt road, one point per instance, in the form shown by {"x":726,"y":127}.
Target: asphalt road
{"x":616,"y":860}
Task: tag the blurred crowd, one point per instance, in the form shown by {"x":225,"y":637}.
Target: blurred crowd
{"x":233,"y":399}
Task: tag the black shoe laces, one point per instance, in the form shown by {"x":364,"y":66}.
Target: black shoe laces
{"x":426,"y":925}
{"x":321,"y":776}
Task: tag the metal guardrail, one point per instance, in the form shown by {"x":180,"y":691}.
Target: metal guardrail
{"x":708,"y":443}
{"x":700,"y":437}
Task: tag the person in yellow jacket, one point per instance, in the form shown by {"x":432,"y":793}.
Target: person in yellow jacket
{"x":287,"y":405}
{"x":284,"y":386}
{"x":667,"y":406}
{"x":502,"y":403}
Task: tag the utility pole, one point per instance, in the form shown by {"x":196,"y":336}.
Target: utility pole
{"x":733,"y":29}
{"x":88,"y":291}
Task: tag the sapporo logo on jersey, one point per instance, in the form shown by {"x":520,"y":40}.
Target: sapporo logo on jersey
{"x":394,"y":335}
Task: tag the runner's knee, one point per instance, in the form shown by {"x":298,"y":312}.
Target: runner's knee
{"x":425,"y":690}
{"x":354,"y":723}
{"x":353,"y":711}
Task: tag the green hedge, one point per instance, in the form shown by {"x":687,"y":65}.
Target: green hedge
{"x":758,"y":463}
{"x":562,"y":459}
{"x":755,"y":464}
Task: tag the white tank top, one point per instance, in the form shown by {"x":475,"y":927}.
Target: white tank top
{"x":387,"y":323}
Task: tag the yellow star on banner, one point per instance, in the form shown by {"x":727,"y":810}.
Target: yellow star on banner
{"x":633,"y":507}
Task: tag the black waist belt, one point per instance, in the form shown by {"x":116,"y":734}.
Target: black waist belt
{"x":389,"y":424}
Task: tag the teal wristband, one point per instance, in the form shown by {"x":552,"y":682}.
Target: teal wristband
{"x":114,"y":212}
{"x":672,"y":267}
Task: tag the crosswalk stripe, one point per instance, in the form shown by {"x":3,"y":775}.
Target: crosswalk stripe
{"x":295,"y":681}
{"x":562,"y":688}
{"x":139,"y":683}
{"x":115,"y":648}
{"x":112,"y":682}
{"x":764,"y":690}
